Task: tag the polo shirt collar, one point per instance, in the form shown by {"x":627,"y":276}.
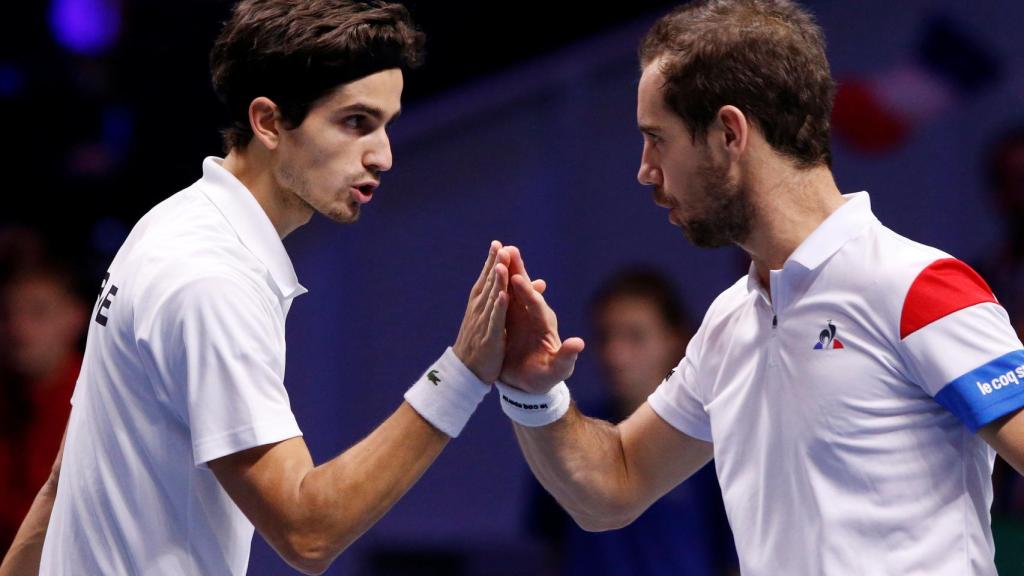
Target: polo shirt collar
{"x":251,"y":223}
{"x":842,"y":225}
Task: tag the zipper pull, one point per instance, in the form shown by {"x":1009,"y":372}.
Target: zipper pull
{"x":775,"y":320}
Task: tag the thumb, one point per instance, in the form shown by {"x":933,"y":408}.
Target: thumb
{"x":565,"y":358}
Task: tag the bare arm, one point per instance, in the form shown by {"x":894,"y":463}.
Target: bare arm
{"x":26,"y":551}
{"x":1006,"y":436}
{"x":606,"y":475}
{"x":311,"y":514}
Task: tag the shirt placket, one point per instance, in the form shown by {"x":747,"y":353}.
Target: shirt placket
{"x":775,"y":303}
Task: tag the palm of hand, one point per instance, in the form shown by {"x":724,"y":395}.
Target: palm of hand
{"x":533,"y":362}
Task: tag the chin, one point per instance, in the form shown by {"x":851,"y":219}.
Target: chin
{"x":343,"y":214}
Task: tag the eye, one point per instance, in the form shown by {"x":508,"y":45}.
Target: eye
{"x":355,"y":121}
{"x":654,"y":139}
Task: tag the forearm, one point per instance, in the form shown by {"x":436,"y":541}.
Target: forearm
{"x":344,"y":497}
{"x":581,"y":462}
{"x":1006,"y":435}
{"x":311,"y":514}
{"x":25,"y":552}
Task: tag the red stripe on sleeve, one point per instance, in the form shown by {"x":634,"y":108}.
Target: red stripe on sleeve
{"x":944,"y":287}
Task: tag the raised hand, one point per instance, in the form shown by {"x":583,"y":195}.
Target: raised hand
{"x":536,"y":358}
{"x":480,"y":344}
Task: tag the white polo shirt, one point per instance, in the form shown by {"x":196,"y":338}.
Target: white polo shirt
{"x":843,"y":409}
{"x":184,"y":363}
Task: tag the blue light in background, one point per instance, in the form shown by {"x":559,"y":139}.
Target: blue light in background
{"x":86,"y":26}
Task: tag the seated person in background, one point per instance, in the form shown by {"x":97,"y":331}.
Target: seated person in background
{"x":42,"y":320}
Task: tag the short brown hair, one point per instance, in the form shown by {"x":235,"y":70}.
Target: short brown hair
{"x":766,"y":57}
{"x":297,"y":51}
{"x":646,"y":284}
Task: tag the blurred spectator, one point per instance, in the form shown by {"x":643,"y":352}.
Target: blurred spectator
{"x":642,"y":332}
{"x":1003,"y":265}
{"x":1003,"y":268}
{"x":42,"y":320}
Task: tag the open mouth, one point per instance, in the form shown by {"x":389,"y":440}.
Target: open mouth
{"x":363,"y":193}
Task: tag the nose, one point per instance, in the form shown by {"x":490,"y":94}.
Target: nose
{"x":378,"y":156}
{"x":649,"y":174}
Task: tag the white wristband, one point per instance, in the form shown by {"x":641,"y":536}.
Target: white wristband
{"x":447,"y":394}
{"x":533,"y":410}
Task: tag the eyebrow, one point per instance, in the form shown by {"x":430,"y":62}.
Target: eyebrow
{"x":372,"y":111}
{"x":648,"y":129}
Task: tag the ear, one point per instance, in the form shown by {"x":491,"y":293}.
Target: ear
{"x":735,"y":131}
{"x":264,"y":119}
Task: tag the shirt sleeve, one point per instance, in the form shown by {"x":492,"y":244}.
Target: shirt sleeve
{"x":677,"y":400}
{"x":228,"y":368}
{"x":958,"y":345}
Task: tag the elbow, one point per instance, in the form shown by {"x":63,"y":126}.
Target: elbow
{"x":603,"y":507}
{"x":608,"y":515}
{"x":315,"y":534}
{"x":308,"y":552}
{"x":310,"y":567}
{"x":602,"y":522}
{"x":307,"y":562}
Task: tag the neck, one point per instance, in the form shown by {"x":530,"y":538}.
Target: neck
{"x":253,"y":166}
{"x":788,"y":205}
